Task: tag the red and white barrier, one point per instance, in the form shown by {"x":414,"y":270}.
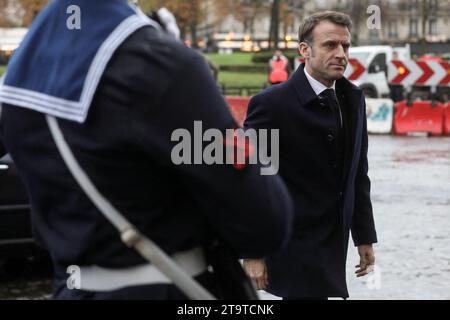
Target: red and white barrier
{"x":406,"y":72}
{"x":420,"y":117}
{"x":419,"y":73}
{"x":380,"y":115}
{"x":355,"y":69}
{"x":447,"y":119}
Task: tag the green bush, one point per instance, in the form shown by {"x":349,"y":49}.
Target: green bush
{"x":265,"y":56}
{"x":256,"y":68}
{"x":235,"y":59}
{"x":240,"y":79}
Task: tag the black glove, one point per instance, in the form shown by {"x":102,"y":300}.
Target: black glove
{"x":233,"y":282}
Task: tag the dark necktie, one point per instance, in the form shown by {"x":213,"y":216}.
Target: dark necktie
{"x":331,"y":94}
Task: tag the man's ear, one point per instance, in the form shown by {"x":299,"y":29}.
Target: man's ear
{"x":304,"y":49}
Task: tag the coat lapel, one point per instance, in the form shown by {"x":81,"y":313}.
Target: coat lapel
{"x":304,"y":91}
{"x":350,"y":97}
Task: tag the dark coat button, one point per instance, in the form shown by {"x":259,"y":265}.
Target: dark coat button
{"x":330,"y":137}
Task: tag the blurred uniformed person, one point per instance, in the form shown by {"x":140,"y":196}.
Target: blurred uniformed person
{"x":119,"y":87}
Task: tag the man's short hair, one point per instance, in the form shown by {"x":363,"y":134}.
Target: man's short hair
{"x":308,"y":25}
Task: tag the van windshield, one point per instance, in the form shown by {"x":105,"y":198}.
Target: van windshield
{"x":361,"y":56}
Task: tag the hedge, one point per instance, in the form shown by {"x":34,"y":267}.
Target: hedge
{"x":265,"y":56}
{"x":258,"y":68}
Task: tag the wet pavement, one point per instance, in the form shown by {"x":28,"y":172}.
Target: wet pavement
{"x":411,"y":199}
{"x":26,"y":279}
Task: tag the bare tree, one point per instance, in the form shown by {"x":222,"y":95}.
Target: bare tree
{"x":287,"y":17}
{"x":358,"y":14}
{"x":31,"y":8}
{"x":274,"y":33}
{"x":3,"y":16}
{"x":424,"y":12}
{"x":189,"y":14}
{"x":245,"y":11}
{"x":11,"y":13}
{"x":357,"y":9}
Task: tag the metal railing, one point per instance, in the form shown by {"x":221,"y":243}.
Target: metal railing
{"x":241,"y":90}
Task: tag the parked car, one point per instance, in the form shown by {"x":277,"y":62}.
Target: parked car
{"x":16,"y":238}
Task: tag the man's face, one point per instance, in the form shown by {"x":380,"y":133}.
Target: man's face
{"x":327,"y":56}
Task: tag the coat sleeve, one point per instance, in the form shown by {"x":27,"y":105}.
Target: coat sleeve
{"x":258,"y":114}
{"x":363,"y":225}
{"x":253,"y":213}
{"x":2,"y":146}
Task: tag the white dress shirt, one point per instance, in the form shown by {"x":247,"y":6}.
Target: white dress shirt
{"x":318,"y":86}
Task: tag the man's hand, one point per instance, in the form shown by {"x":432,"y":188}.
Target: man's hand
{"x":257,"y":271}
{"x":366,"y":262}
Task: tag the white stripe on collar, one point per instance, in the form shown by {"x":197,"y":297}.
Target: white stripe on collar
{"x":77,"y":110}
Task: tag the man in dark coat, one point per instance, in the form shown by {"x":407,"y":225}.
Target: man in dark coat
{"x":119,"y":95}
{"x":323,"y":160}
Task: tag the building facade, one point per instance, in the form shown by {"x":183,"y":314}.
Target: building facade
{"x":402,"y":21}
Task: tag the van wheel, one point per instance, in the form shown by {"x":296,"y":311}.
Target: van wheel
{"x":370,"y":92}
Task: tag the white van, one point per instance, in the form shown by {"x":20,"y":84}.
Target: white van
{"x":375,"y":60}
{"x":10,"y":38}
